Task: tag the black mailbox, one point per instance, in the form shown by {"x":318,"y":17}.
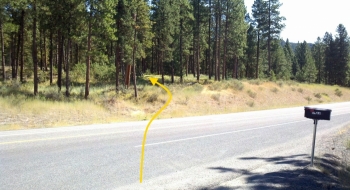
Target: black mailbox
{"x":317,"y":113}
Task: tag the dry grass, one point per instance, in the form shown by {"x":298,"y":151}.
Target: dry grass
{"x":51,"y":109}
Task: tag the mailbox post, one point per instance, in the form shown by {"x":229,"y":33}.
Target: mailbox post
{"x":316,"y":114}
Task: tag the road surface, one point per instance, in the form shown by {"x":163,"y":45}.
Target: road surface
{"x":183,"y":153}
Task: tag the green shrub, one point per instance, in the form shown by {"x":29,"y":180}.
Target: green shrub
{"x":251,"y":94}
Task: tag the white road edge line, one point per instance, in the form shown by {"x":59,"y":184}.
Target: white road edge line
{"x":218,"y":134}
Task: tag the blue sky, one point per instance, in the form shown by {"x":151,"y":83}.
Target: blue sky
{"x":309,"y":19}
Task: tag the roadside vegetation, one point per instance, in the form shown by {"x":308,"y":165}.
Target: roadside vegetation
{"x":20,"y":109}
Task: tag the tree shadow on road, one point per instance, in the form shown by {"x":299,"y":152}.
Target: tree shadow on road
{"x":300,"y":176}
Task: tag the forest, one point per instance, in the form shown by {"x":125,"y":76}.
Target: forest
{"x":117,"y":41}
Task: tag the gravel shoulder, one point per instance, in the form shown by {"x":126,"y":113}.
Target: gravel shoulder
{"x":332,"y":157}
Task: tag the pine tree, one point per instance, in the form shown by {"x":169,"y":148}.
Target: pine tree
{"x":342,"y":55}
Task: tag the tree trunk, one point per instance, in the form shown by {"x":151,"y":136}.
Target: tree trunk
{"x":51,"y":56}
{"x":225,"y":44}
{"x":12,"y":55}
{"x":257,"y":56}
{"x":60,"y":59}
{"x":219,"y":43}
{"x":198,"y":42}
{"x":133,"y":55}
{"x":181,"y":65}
{"x":117,"y":63}
{"x":269,"y":39}
{"x":209,"y":39}
{"x":67,"y":64}
{"x":2,"y":52}
{"x":44,"y":49}
{"x":88,"y":58}
{"x":216,"y":42}
{"x":41,"y":50}
{"x":22,"y":46}
{"x":34,"y":52}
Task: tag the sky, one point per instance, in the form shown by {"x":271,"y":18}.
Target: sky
{"x":309,"y":19}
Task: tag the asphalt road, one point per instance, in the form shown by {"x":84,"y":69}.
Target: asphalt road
{"x":184,"y":153}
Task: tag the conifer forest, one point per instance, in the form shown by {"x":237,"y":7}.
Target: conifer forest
{"x":117,"y":41}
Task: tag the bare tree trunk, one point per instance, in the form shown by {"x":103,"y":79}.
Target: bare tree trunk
{"x":88,"y":59}
{"x":2,"y":52}
{"x":34,"y":52}
{"x":51,"y":56}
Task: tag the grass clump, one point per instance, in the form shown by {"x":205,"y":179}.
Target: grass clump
{"x":215,"y":97}
{"x":280,"y":84}
{"x":300,"y":90}
{"x":274,"y":90}
{"x":250,"y":103}
{"x":251,"y":94}
{"x":255,"y":82}
{"x":308,"y":98}
{"x":317,"y":95}
{"x":338,"y":92}
{"x":152,"y":98}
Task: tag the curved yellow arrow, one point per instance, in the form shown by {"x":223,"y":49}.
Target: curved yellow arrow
{"x":153,"y":81}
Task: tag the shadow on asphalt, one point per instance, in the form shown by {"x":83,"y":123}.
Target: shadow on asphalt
{"x":301,"y":178}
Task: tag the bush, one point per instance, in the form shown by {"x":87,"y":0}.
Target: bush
{"x":103,"y":72}
{"x":338,"y":92}
{"x":251,"y":94}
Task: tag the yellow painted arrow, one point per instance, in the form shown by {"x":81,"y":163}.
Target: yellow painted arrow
{"x":153,"y":81}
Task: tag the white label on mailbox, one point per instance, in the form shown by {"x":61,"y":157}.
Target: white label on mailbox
{"x":316,"y":113}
